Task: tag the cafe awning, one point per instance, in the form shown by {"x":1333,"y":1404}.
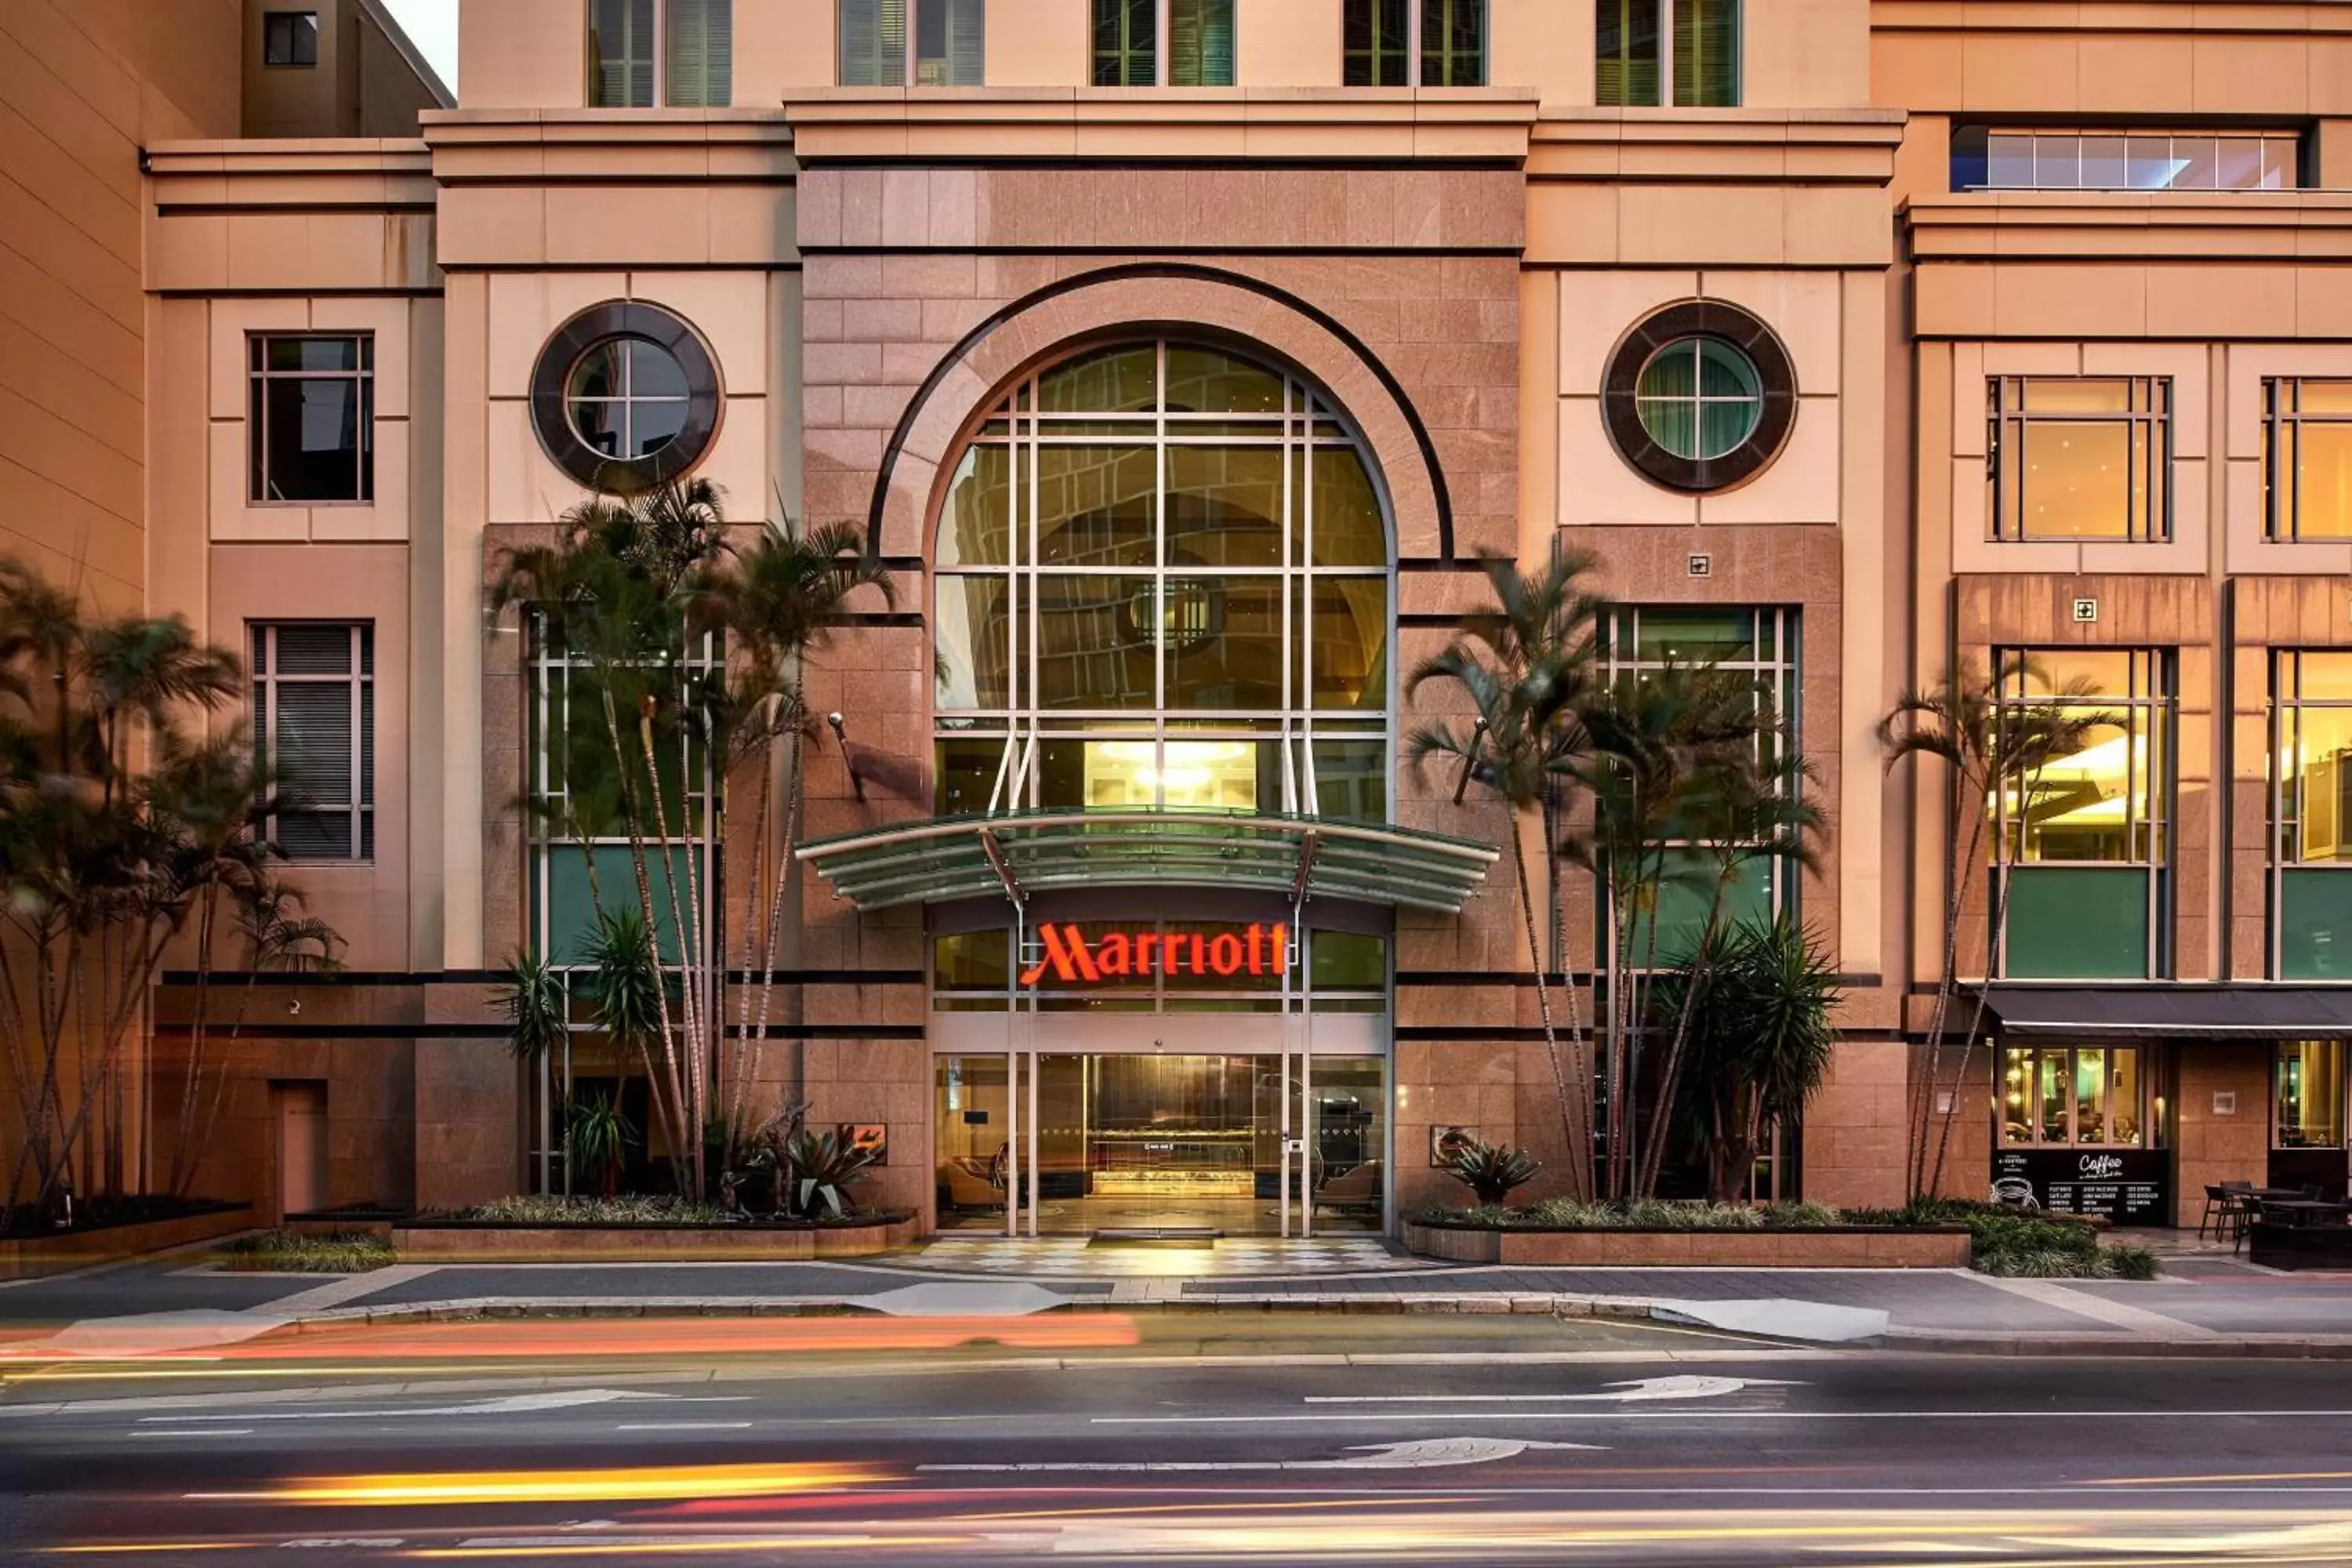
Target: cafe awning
{"x":2155,"y":1011}
{"x":938,"y":859}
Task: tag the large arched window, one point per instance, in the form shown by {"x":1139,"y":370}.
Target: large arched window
{"x":1162,"y":579}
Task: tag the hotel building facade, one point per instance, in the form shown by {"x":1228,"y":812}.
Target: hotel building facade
{"x":1180,"y":359}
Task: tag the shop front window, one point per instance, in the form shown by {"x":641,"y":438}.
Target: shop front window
{"x":2066,"y":1095}
{"x":2081,"y":830}
{"x":2308,"y":1090}
{"x":1163,"y":582}
{"x":2311,"y":812}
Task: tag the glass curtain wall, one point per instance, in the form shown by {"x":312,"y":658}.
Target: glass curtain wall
{"x":2017,"y":159}
{"x":2081,"y":842}
{"x":2311,"y":811}
{"x":1163,"y":581}
{"x":581,"y":864}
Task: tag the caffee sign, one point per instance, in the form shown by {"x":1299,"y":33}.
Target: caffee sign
{"x":2128,"y":1185}
{"x":1068,"y":956}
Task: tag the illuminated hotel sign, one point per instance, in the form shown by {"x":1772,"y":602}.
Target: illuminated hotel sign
{"x":1071,"y":958}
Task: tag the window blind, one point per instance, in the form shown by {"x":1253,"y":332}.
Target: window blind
{"x":314,"y":700}
{"x":1127,"y":43}
{"x":1372,"y":43}
{"x":701,"y":45}
{"x":949,"y":43}
{"x":1453,"y":43}
{"x":1626,"y":53}
{"x":873,"y":43}
{"x":1706,"y":53}
{"x":1200,"y":43}
{"x":621,"y":54}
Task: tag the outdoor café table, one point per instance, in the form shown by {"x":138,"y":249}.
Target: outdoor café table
{"x":2302,"y":1211}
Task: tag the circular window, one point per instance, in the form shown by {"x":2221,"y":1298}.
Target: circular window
{"x":1699,"y":397}
{"x":625,"y":397}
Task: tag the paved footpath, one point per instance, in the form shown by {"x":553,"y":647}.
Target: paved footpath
{"x":2208,"y":1304}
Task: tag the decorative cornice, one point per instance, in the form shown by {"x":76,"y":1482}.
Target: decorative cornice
{"x":2124,"y":225}
{"x":1715,"y":147}
{"x":2204,"y":19}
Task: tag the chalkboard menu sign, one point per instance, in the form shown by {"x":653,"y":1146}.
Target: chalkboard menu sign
{"x":2130,"y":1187}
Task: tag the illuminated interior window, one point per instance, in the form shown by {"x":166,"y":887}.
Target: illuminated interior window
{"x":2307,"y":458}
{"x":2065,"y":1095}
{"x":1163,"y":581}
{"x":2311,"y":815}
{"x":2081,"y":458}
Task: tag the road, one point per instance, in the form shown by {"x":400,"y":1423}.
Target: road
{"x":1268,"y":1439}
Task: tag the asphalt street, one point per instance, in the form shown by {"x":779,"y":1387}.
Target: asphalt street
{"x":1322,"y":1440}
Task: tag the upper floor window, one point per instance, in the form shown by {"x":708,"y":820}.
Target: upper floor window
{"x":1641,"y":46}
{"x":1163,"y":43}
{"x":289,"y":39}
{"x":1413,"y":43}
{"x":2081,"y":456}
{"x":2080,"y":824}
{"x":314,"y":722}
{"x":310,"y":413}
{"x":2002,"y":159}
{"x":693,"y":40}
{"x":2311,"y":815}
{"x":2307,"y":458}
{"x":943,"y":49}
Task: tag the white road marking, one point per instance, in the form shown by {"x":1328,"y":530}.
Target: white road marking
{"x":1421,"y":1454}
{"x":513,"y":1405}
{"x":1639,"y":1391}
{"x":681,"y":1425}
{"x":201,"y":1432}
{"x":1736,"y":1416}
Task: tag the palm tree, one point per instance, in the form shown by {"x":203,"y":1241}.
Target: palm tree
{"x":780,"y":602}
{"x":1655,"y":744}
{"x":1525,"y":667}
{"x":1990,"y":746}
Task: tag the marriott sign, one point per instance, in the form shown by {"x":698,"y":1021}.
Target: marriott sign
{"x":1073,"y":960}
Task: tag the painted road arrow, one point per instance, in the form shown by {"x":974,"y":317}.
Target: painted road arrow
{"x":1422,"y":1454}
{"x":1639,"y":1391}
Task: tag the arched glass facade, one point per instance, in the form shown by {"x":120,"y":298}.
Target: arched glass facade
{"x":1163,"y":579}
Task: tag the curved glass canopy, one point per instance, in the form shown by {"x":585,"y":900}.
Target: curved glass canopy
{"x":1017,"y":855}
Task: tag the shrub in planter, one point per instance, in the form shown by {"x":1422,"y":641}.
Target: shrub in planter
{"x":1492,"y":1169}
{"x":287,"y":1252}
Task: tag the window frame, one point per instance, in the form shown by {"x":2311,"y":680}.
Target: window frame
{"x":2280,"y":1050}
{"x":1162,"y":37}
{"x":2288,"y":809}
{"x":1973,"y":141}
{"x":661,"y":67}
{"x":258,"y":375}
{"x":1665,"y":98}
{"x":2282,"y":482}
{"x":910,"y":58}
{"x":267,"y":680}
{"x":1776,"y":373}
{"x":1416,"y":47}
{"x":2149,"y":472}
{"x":2158,"y":708}
{"x":551,"y":402}
{"x":2034,"y":1054}
{"x":269,"y":20}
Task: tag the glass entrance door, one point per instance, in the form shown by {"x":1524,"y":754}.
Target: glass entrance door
{"x":1161,"y":1141}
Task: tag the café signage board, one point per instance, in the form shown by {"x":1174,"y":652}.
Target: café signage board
{"x":1068,"y":955}
{"x":2129,"y":1186}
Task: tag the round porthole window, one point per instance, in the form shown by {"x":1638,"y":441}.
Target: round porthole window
{"x":625,"y":397}
{"x":1699,"y":397}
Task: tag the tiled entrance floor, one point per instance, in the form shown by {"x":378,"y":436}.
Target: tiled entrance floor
{"x":1234,"y":1257}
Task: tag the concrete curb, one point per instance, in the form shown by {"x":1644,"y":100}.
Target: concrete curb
{"x":2307,"y":1347}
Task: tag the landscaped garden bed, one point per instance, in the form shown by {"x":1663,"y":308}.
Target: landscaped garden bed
{"x":1651,"y":1233}
{"x":642,"y":1229}
{"x":290,"y":1251}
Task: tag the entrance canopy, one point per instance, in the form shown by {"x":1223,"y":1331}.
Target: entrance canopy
{"x":2168,"y":1011}
{"x":944,"y":858}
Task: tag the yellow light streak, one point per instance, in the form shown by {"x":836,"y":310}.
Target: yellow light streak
{"x":152,"y":1546}
{"x":620,"y":1547}
{"x":647,"y":1484}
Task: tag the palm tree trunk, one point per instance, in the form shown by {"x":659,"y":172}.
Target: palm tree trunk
{"x":787,"y":831}
{"x":689,"y":948}
{"x":1576,"y":1100}
{"x":1955,"y":865}
{"x":674,"y":1111}
{"x":1535,"y":953}
{"x":1653,"y":1159}
{"x":183,"y":1148}
{"x":1976,"y":1025}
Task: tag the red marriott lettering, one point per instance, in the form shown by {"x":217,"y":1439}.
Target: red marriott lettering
{"x":1073,"y":961}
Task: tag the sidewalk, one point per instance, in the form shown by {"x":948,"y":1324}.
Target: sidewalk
{"x":2208,"y":1304}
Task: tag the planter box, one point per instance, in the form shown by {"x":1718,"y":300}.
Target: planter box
{"x":38,"y":1257}
{"x":2300,"y":1246}
{"x":1830,"y":1247}
{"x":484,"y":1241}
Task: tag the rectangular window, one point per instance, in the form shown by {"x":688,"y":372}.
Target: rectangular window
{"x":945,"y":48}
{"x":2080,"y":458}
{"x":1640,"y":46}
{"x":2070,"y":1096}
{"x":700,"y":52}
{"x":2080,"y":819}
{"x":620,"y":54}
{"x":311,"y":412}
{"x":314,"y":728}
{"x":1453,"y":43}
{"x":1200,"y":43}
{"x":1761,"y":644}
{"x":1413,"y":43}
{"x":1374,"y":47}
{"x":2307,"y":458}
{"x":2307,"y":1092}
{"x":2311,"y":812}
{"x":289,"y":39}
{"x":1986,"y":158}
{"x":1126,"y":43}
